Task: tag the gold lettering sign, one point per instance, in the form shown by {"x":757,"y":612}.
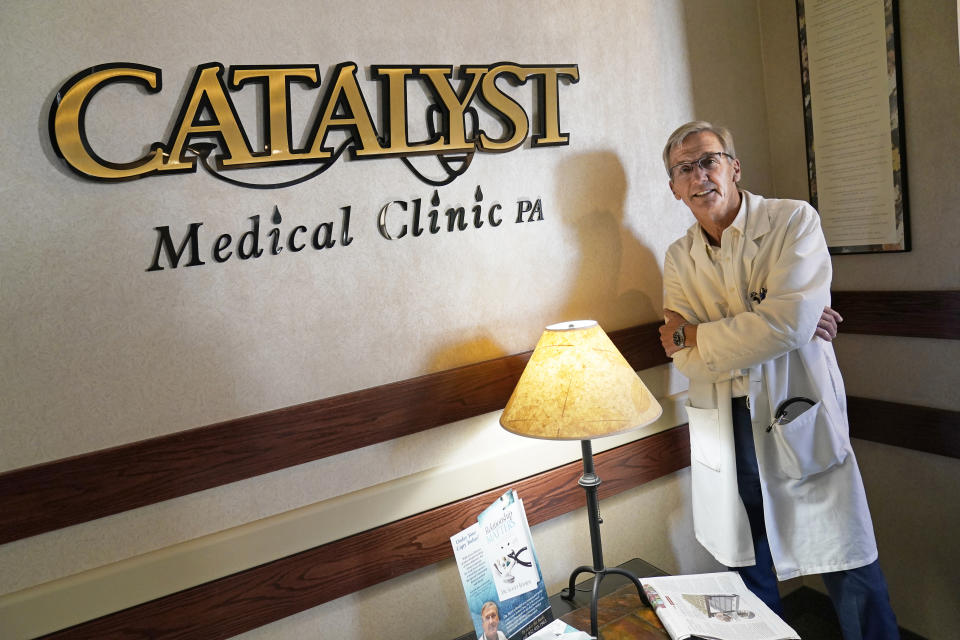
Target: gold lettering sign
{"x":207,"y":113}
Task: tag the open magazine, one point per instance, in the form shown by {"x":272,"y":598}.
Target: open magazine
{"x":500,"y":572}
{"x":713,"y":605}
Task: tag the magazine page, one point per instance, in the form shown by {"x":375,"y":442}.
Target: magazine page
{"x":713,"y":605}
{"x":507,"y":546}
{"x":500,"y":572}
{"x":535,"y":607}
{"x":476,"y":578}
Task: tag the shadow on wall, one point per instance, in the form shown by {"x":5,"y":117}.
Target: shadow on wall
{"x":612,"y":261}
{"x":726,"y":80}
{"x":608,"y":269}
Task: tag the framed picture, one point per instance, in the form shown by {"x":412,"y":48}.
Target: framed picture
{"x":853,"y":117}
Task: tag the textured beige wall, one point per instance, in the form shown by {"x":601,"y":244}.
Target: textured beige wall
{"x":98,"y":352}
{"x":784,"y":98}
{"x":113,"y":354}
{"x":912,"y":494}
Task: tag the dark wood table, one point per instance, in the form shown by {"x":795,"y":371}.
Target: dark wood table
{"x":620,"y":613}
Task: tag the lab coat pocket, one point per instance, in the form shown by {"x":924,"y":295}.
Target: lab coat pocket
{"x":704,"y":435}
{"x":808,"y":444}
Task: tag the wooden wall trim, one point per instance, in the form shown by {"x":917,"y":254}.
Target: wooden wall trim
{"x":78,"y":489}
{"x":905,"y":425}
{"x":74,"y":490}
{"x":237,"y":603}
{"x":249,"y":599}
{"x":906,"y":314}
{"x":65,"y":492}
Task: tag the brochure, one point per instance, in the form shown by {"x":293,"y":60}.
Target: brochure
{"x":713,"y":605}
{"x":560,"y":630}
{"x":500,"y":572}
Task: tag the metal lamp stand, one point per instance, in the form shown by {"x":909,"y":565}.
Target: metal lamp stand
{"x":590,"y":481}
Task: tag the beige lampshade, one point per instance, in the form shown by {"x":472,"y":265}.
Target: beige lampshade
{"x":578,"y":386}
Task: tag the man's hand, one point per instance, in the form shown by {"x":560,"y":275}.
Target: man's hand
{"x":827,"y":327}
{"x":672,"y":320}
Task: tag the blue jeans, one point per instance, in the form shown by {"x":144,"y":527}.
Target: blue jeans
{"x":859,"y":595}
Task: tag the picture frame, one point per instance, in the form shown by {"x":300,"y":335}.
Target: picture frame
{"x":853,"y":122}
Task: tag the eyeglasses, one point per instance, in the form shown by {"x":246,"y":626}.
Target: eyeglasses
{"x":707,"y":162}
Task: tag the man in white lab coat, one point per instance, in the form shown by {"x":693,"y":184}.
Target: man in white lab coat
{"x":490,"y":619}
{"x":776,"y":488}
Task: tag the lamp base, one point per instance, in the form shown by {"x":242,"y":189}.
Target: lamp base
{"x":598,"y":576}
{"x":590,"y":481}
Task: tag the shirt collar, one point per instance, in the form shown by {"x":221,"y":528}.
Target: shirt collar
{"x":739,"y":224}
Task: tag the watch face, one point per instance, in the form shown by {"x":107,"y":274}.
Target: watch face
{"x":678,"y":337}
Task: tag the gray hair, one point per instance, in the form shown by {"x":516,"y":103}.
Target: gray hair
{"x":697,"y":126}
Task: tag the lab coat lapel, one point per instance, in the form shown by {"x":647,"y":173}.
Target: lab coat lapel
{"x":758,"y":225}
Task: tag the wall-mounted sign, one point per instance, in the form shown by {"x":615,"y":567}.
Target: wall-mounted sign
{"x":398,"y":220}
{"x":208,"y":120}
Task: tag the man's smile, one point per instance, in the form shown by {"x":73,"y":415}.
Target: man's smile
{"x":706,"y":192}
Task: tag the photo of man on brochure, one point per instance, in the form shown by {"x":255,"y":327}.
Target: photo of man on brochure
{"x":490,"y":617}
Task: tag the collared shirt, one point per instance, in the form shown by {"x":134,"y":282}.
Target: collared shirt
{"x":723,"y":278}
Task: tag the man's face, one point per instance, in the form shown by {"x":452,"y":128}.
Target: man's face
{"x":491,"y":622}
{"x":711,"y":195}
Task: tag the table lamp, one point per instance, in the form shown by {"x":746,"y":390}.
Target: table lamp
{"x":578,"y":386}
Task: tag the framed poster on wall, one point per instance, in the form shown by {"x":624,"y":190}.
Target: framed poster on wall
{"x":853,"y":117}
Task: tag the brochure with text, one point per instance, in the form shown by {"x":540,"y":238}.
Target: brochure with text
{"x":498,"y":565}
{"x":560,"y":630}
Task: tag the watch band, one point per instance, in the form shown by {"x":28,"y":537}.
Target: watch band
{"x":679,"y":337}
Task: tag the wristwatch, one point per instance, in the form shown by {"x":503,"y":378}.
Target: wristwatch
{"x":679,"y":338}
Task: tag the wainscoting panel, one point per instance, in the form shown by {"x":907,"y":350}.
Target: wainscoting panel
{"x":905,"y":425}
{"x":64,"y":492}
{"x":906,"y":314}
{"x":258,"y":596}
{"x":70,"y":491}
{"x":60,"y":493}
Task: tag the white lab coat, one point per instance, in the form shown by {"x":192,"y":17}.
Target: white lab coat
{"x":760,"y":321}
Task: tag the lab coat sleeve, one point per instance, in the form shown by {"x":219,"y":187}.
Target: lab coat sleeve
{"x":687,"y":361}
{"x":798,"y":288}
